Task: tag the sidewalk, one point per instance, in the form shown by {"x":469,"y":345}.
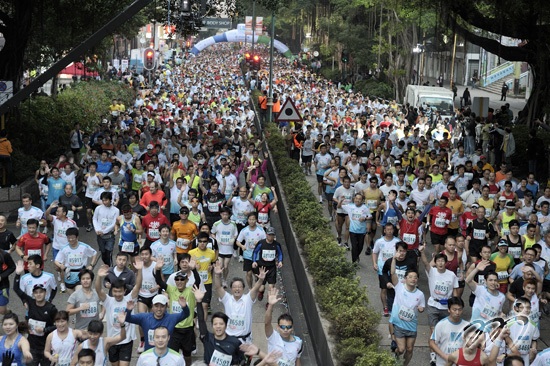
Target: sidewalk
{"x":516,"y":104}
{"x":369,"y":278}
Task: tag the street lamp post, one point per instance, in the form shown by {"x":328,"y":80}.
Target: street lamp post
{"x":418,"y":50}
{"x":270,"y":97}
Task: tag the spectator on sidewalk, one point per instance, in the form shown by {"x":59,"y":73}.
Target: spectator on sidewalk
{"x":5,"y":156}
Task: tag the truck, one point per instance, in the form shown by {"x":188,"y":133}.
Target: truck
{"x":436,"y":98}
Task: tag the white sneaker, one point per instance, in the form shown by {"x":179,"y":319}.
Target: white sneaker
{"x":58,"y":277}
{"x":235,"y":253}
{"x":241,"y":258}
{"x":141,"y":347}
{"x":62,"y":287}
{"x":45,"y":231}
{"x":320,"y":199}
{"x":193,"y":352}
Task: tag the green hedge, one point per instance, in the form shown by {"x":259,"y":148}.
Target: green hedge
{"x":40,"y":128}
{"x":375,"y":88}
{"x":339,"y":294}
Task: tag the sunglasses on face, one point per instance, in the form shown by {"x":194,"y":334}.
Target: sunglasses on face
{"x":285,"y":327}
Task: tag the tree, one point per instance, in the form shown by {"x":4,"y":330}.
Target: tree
{"x":525,"y":20}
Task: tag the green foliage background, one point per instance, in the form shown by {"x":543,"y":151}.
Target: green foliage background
{"x":41,"y":127}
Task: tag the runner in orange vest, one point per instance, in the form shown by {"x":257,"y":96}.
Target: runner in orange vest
{"x":263,"y":107}
{"x":276,"y":106}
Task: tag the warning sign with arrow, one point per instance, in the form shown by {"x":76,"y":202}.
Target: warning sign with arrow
{"x":289,"y":112}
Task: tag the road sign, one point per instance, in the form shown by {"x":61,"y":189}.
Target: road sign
{"x":289,"y":112}
{"x":6,"y":90}
{"x":315,"y":54}
{"x":142,"y":40}
{"x":216,"y":23}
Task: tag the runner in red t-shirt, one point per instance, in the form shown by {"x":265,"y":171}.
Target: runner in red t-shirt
{"x":439,"y":218}
{"x":33,"y":242}
{"x":151,"y":223}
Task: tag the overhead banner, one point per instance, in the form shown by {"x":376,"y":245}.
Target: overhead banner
{"x":234,"y":36}
{"x":259,"y":25}
{"x":248,"y":26}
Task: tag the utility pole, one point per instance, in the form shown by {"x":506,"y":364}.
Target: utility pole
{"x":253,"y":25}
{"x":453,"y":63}
{"x":379,"y":41}
{"x":270,"y":97}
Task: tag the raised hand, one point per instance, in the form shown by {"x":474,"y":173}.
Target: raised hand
{"x":218,"y":269}
{"x":20,"y":268}
{"x":249,"y":349}
{"x":130,"y":305}
{"x":121,"y":316}
{"x":138,"y":263}
{"x":262,"y":273}
{"x":274,"y":298}
{"x":159,"y":264}
{"x":103,"y":270}
{"x":273,"y":356}
{"x":7,"y":358}
{"x":193,"y":263}
{"x":199,"y":295}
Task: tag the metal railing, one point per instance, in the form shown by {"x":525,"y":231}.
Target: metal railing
{"x":498,"y":73}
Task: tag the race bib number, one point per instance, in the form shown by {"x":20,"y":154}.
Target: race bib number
{"x":268,"y":255}
{"x":514,"y":251}
{"x":213,"y":206}
{"x":105,"y":223}
{"x":34,"y":252}
{"x":66,"y":362}
{"x":387,"y":254}
{"x":284,"y":362}
{"x":400,"y":274}
{"x":61,"y":232}
{"x":502,"y":276}
{"x":151,"y":337}
{"x":441,"y":288}
{"x":440,"y":222}
{"x":263,"y":217}
{"x":393,"y":220}
{"x":523,"y":344}
{"x":406,"y":314}
{"x":479,"y":234}
{"x":154,"y":233}
{"x":489,"y":312}
{"x":356,"y":215}
{"x":90,"y":312}
{"x":409,"y":238}
{"x":182,"y":243}
{"x":128,"y":247}
{"x":75,"y":260}
{"x":70,"y":214}
{"x":176,"y":307}
{"x":371,"y":204}
{"x":220,"y":359}
{"x":236,"y":322}
{"x":488,"y":212}
{"x":33,"y":324}
{"x":146,"y":286}
{"x":203,"y":276}
{"x":505,"y":232}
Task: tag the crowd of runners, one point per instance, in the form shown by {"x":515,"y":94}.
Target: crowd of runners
{"x":173,"y":186}
{"x":431,"y":201}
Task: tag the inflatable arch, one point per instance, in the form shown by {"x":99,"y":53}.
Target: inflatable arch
{"x":238,"y":36}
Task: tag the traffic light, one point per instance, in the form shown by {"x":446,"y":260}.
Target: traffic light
{"x":344,"y":56}
{"x":149,"y":59}
{"x":247,"y":58}
{"x":256,"y":62}
{"x":188,"y":44}
{"x":185,"y":6}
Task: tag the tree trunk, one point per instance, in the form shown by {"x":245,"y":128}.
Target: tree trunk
{"x":539,"y":101}
{"x":16,"y":31}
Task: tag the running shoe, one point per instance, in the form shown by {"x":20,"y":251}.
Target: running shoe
{"x":89,"y":228}
{"x":141,"y":347}
{"x":386,"y":312}
{"x":62,"y":287}
{"x":368,"y":251}
{"x":346,"y":246}
{"x":393,"y":346}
